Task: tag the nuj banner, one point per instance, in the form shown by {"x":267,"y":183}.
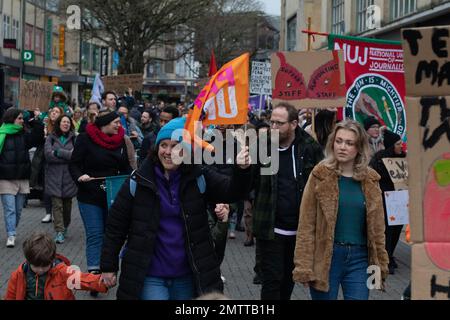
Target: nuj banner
{"x":224,"y":99}
{"x":375,"y":80}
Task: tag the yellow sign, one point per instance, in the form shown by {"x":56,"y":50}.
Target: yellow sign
{"x":62,"y":38}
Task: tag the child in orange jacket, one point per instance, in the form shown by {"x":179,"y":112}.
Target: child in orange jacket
{"x":46,"y":275}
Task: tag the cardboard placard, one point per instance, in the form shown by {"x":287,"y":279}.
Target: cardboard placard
{"x":35,"y":94}
{"x":261,"y":78}
{"x":309,"y":79}
{"x":398,"y":171}
{"x":397,"y":203}
{"x":120,"y":84}
{"x":426,"y":56}
{"x":428,"y":280}
{"x":428,"y":149}
{"x":428,"y":98}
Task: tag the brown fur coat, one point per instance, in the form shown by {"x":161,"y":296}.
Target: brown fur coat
{"x":318,"y":215}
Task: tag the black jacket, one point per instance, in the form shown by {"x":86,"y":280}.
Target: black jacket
{"x":136,"y":220}
{"x":147,"y":144}
{"x":96,"y":161}
{"x":308,"y":155}
{"x":377,"y":164}
{"x":15,"y":161}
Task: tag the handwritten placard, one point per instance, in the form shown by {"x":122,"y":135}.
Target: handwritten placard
{"x":397,"y":207}
{"x":426,"y":54}
{"x":427,"y":75}
{"x":120,"y":84}
{"x":35,"y":94}
{"x":261,"y":78}
{"x":398,"y":171}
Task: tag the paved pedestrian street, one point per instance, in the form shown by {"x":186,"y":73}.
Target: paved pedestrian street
{"x":237,"y":267}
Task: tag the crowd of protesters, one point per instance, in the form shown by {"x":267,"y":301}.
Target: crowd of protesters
{"x":172,"y":221}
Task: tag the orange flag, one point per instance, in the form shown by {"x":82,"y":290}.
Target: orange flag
{"x":224,"y":99}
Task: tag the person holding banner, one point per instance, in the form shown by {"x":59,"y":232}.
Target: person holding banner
{"x":341,"y":227}
{"x":15,"y":165}
{"x":169,"y":253}
{"x":100,"y":152}
{"x":393,"y":149}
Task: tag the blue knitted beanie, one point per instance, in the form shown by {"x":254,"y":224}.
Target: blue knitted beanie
{"x":169,"y":128}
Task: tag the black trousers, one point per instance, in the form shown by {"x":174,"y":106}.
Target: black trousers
{"x":257,"y":267}
{"x":277,"y":264}
{"x":392,"y":236}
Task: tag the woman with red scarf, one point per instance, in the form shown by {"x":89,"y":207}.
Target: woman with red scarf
{"x":99,"y":152}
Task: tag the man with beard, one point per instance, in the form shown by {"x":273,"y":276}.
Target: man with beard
{"x":277,"y":202}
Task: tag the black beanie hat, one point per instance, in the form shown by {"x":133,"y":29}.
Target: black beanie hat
{"x":370,"y":121}
{"x":106,"y":119}
{"x":390,"y":138}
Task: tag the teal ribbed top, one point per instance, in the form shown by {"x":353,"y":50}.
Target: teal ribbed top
{"x":351,"y":218}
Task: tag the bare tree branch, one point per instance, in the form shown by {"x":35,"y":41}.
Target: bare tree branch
{"x":132,"y":27}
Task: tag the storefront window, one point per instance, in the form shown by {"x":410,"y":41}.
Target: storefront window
{"x":85,"y":56}
{"x":12,"y":77}
{"x":96,"y":58}
{"x":29,"y":37}
{"x":39,"y":44}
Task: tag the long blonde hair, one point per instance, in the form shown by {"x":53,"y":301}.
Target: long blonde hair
{"x":362,"y":145}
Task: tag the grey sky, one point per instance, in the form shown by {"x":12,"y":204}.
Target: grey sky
{"x":272,"y":6}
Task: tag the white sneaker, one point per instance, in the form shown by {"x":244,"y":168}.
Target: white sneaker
{"x":47,"y":218}
{"x":10,"y":242}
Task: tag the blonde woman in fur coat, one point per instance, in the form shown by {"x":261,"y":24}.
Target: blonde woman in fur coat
{"x":341,"y":227}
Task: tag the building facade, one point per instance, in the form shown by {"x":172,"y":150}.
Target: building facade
{"x":36,"y":45}
{"x":171,"y":72}
{"x":384,"y":20}
{"x":30,"y":28}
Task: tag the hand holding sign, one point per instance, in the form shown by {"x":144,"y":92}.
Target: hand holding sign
{"x":243,"y":158}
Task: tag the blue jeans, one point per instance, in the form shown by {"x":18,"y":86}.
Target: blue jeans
{"x":156,"y":288}
{"x":12,"y":209}
{"x":94,"y":220}
{"x":348,"y":269}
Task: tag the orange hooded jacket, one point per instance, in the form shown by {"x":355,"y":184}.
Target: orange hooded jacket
{"x":56,"y":283}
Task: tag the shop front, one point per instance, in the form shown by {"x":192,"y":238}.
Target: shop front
{"x":11,"y":82}
{"x":169,"y":93}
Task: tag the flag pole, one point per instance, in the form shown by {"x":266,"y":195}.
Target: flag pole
{"x":309,"y":34}
{"x":313,"y":111}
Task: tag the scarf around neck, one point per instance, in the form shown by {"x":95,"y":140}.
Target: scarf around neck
{"x":103,"y":140}
{"x":8,"y":128}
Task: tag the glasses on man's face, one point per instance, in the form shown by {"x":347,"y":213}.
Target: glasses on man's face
{"x":277,"y":123}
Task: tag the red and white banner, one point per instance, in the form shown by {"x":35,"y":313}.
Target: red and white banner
{"x":375,"y":80}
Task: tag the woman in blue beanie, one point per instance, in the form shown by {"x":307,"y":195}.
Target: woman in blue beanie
{"x":169,"y":254}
